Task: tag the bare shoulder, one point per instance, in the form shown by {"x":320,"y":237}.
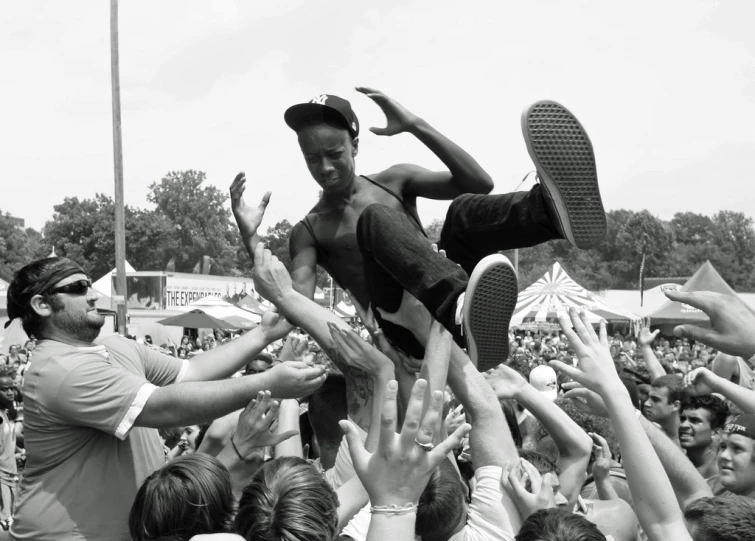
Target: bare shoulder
{"x":300,"y":238}
{"x":398,"y":174}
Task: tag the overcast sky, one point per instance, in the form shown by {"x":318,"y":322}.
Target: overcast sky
{"x":666,"y":90}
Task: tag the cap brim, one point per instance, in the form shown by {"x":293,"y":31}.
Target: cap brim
{"x":296,"y":113}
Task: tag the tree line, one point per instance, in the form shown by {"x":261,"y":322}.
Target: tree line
{"x":190,"y":220}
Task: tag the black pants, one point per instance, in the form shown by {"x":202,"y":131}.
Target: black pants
{"x":397,"y":257}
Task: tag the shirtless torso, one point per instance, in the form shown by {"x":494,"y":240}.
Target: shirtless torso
{"x":329,"y":230}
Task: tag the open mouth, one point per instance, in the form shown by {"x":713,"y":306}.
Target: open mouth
{"x":329,"y":181}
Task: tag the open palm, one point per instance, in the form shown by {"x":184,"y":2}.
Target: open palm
{"x":248,"y":218}
{"x":398,"y":117}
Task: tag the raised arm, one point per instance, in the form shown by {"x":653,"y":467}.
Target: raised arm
{"x":574,"y":445}
{"x":301,"y":247}
{"x":464,"y":174}
{"x":272,"y":281}
{"x":686,"y":481}
{"x":702,"y":381}
{"x":653,"y":495}
{"x":645,"y":341}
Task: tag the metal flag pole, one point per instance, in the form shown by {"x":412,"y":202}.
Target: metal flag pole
{"x":120,"y":219}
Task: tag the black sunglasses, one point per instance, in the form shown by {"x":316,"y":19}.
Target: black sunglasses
{"x":79,"y":287}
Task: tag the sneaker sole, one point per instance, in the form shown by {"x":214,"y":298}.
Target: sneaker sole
{"x":488,"y":305}
{"x":563,"y":154}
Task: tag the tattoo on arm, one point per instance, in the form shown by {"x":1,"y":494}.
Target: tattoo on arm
{"x":359,"y":390}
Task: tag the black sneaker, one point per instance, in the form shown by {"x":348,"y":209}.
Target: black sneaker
{"x":485,"y":309}
{"x":563,"y":154}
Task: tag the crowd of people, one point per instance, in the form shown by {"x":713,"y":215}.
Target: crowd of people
{"x":430,"y":420}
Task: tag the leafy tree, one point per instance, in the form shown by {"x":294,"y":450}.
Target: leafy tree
{"x":17,"y":247}
{"x":199,"y":217}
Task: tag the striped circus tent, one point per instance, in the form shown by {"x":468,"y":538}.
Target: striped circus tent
{"x":538,"y":305}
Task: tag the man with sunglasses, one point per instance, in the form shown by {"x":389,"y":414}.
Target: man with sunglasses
{"x":91,"y":408}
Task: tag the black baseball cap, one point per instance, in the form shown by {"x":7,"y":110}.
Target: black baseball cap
{"x":324,"y":105}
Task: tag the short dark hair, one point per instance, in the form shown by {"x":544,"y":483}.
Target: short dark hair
{"x":441,"y":506}
{"x":558,"y":525}
{"x":19,"y":298}
{"x":717,"y":408}
{"x":722,"y":518}
{"x":542,"y":463}
{"x":191,"y":495}
{"x":287,"y":499}
{"x":673,"y":383}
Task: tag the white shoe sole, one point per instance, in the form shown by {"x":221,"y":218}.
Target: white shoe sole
{"x":564,"y":158}
{"x":489,"y":302}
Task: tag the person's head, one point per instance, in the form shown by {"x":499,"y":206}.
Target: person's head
{"x":206,"y":346}
{"x":23,"y":355}
{"x":7,"y":386}
{"x":191,"y":495}
{"x":328,"y":134}
{"x":548,"y":471}
{"x":287,"y":499}
{"x":736,"y":456}
{"x":184,"y":340}
{"x":147,"y":339}
{"x":30,"y":345}
{"x":182,"y":353}
{"x":54,"y":297}
{"x":665,"y":398}
{"x":189,"y":435}
{"x":257,"y":366}
{"x":558,"y":524}
{"x":442,"y":509}
{"x":704,"y":357}
{"x":721,"y":518}
{"x":543,"y":378}
{"x":700,"y":418}
{"x":13,"y":351}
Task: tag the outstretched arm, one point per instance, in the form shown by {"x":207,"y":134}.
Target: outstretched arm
{"x":301,"y":247}
{"x":464,"y":174}
{"x":574,"y":445}
{"x":645,"y":341}
{"x":656,"y":506}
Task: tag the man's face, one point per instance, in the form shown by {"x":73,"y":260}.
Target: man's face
{"x":695,"y":431}
{"x":657,"y":407}
{"x":329,"y":153}
{"x":735,"y":466}
{"x":552,"y":480}
{"x":22,"y":358}
{"x":76,"y":314}
{"x":257,"y":367}
{"x":7,"y":393}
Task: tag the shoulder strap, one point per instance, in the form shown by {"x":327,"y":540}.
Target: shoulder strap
{"x":394,"y":194}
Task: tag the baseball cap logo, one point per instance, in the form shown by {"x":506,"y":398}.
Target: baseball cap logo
{"x":320,"y":100}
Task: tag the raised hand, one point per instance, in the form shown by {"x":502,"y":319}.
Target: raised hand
{"x":293,"y":379}
{"x":399,"y":119}
{"x":699,"y":381}
{"x":253,"y":428}
{"x":274,"y":326}
{"x":247,"y":218}
{"x":398,"y":471}
{"x":646,"y":337}
{"x":506,"y":382}
{"x":596,"y":370}
{"x":514,"y":481}
{"x":732,"y":322}
{"x":602,"y":465}
{"x":585,"y":400}
{"x":454,"y":420}
{"x":358,"y":353}
{"x":271,"y":279}
{"x":295,"y":349}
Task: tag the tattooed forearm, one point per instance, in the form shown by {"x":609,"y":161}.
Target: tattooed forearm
{"x":359,"y":390}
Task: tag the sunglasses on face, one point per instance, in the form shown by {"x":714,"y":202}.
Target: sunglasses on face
{"x":79,"y":287}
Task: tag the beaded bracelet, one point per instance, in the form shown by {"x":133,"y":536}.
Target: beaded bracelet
{"x":394,"y":509}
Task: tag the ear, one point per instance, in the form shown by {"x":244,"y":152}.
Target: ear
{"x":677,"y":405}
{"x":41,"y":307}
{"x":354,"y":147}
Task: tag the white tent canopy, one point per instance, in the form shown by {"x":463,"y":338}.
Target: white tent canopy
{"x":556,"y":293}
{"x":104,"y":285}
{"x":221,"y":309}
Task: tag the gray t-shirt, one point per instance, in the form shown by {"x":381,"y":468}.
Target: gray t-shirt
{"x":86,"y":460}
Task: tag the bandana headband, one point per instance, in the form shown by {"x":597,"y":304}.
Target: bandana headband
{"x":17,"y":300}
